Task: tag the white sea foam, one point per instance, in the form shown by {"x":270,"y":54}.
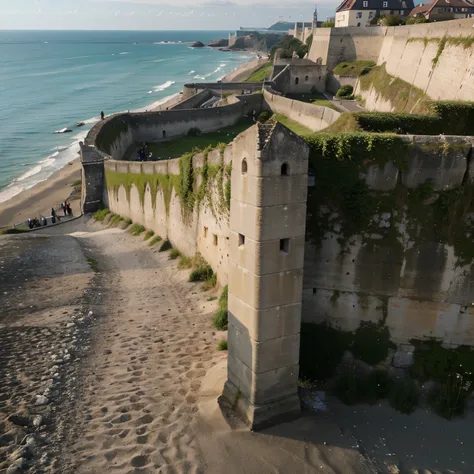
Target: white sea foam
{"x":44,"y":168}
{"x":29,"y":173}
{"x":91,"y":120}
{"x":162,"y":87}
{"x":191,"y":72}
{"x":125,"y":52}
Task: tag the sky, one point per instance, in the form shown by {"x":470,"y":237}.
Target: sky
{"x":155,"y":14}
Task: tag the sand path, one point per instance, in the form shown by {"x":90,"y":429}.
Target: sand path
{"x":139,"y":408}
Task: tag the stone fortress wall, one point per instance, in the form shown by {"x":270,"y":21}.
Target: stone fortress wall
{"x":418,"y":287}
{"x":434,"y":57}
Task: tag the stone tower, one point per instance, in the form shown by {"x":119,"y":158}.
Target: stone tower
{"x":267,"y":229}
{"x":315,"y":18}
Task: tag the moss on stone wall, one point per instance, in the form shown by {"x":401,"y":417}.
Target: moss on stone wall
{"x":111,"y":131}
{"x":462,"y":41}
{"x":185,"y":184}
{"x":402,"y":96}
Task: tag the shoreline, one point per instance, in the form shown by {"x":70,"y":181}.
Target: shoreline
{"x":39,"y":199}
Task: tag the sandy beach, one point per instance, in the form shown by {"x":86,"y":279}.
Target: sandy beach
{"x":244,"y":71}
{"x":39,"y":199}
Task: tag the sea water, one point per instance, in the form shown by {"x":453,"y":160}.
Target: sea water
{"x":50,"y":80}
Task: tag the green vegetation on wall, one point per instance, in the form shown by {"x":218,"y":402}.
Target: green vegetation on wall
{"x":343,"y":204}
{"x":402,"y":96}
{"x":185,"y":185}
{"x":445,"y":117}
{"x":261,"y":73}
{"x":110,"y":131}
{"x":353,"y":68}
{"x":463,"y":41}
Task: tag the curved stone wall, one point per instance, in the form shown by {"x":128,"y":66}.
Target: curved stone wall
{"x":117,"y":133}
{"x":312,"y":116}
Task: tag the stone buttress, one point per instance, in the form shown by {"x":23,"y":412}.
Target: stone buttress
{"x":267,"y":234}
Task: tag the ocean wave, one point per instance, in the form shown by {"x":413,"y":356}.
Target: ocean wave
{"x":125,"y":52}
{"x":158,"y":60}
{"x":91,"y":120}
{"x":191,"y":72}
{"x":44,"y":168}
{"x":200,"y":77}
{"x":29,"y":173}
{"x":171,"y":42}
{"x":164,"y":86}
{"x":223,"y":65}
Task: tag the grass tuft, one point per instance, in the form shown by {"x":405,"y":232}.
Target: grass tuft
{"x":201,"y":273}
{"x":174,"y":254}
{"x":222,"y":345}
{"x":221,"y":318}
{"x":93,"y":264}
{"x":154,"y":240}
{"x":149,"y":234}
{"x":136,"y":229}
{"x":101,"y":214}
{"x":185,"y":262}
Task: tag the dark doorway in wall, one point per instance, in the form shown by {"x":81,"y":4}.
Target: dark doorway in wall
{"x":306,"y":78}
{"x":285,"y":171}
{"x":285,"y":246}
{"x":164,"y":133}
{"x":297,"y":80}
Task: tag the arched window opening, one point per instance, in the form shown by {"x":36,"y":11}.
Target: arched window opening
{"x":164,"y":133}
{"x":297,"y":80}
{"x":244,"y":166}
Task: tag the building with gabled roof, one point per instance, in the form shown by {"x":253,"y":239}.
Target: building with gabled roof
{"x":440,"y":10}
{"x":366,"y":12}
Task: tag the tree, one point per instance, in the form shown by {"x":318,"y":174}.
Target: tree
{"x":418,"y":19}
{"x":390,"y":20}
{"x":329,"y":24}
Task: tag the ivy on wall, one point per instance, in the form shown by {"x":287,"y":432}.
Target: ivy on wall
{"x":185,"y":184}
{"x":341,"y":202}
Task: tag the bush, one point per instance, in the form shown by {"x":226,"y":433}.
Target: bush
{"x":414,"y":21}
{"x":371,"y":343}
{"x":166,"y":245}
{"x":329,"y":24}
{"x":434,"y":362}
{"x":128,"y":221}
{"x":321,"y":350}
{"x":194,"y":132}
{"x":136,"y":229}
{"x":100,"y":215}
{"x":345,"y":92}
{"x":351,"y":389}
{"x":221,"y":318}
{"x":149,"y":234}
{"x":264,"y":116}
{"x":222,"y":346}
{"x":155,"y":240}
{"x":390,"y":20}
{"x":450,"y":398}
{"x":404,"y":396}
{"x":174,"y":254}
{"x":201,"y":273}
{"x":210,"y":282}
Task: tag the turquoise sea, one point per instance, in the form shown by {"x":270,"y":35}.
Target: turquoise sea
{"x":50,"y":80}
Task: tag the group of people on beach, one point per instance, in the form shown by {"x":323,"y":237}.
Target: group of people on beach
{"x":43,"y":221}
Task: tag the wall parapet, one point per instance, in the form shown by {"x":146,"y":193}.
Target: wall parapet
{"x":314,"y":117}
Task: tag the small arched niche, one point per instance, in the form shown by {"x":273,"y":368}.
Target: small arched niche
{"x":244,"y":166}
{"x":285,"y":169}
{"x":297,"y":80}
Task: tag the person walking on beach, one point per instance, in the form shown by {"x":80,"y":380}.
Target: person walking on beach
{"x":102,"y":116}
{"x":63,"y":208}
{"x":53,"y":216}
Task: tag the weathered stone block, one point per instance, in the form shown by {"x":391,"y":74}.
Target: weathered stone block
{"x":262,"y":258}
{"x":262,"y":356}
{"x":269,"y":191}
{"x":274,"y":289}
{"x":268,"y":223}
